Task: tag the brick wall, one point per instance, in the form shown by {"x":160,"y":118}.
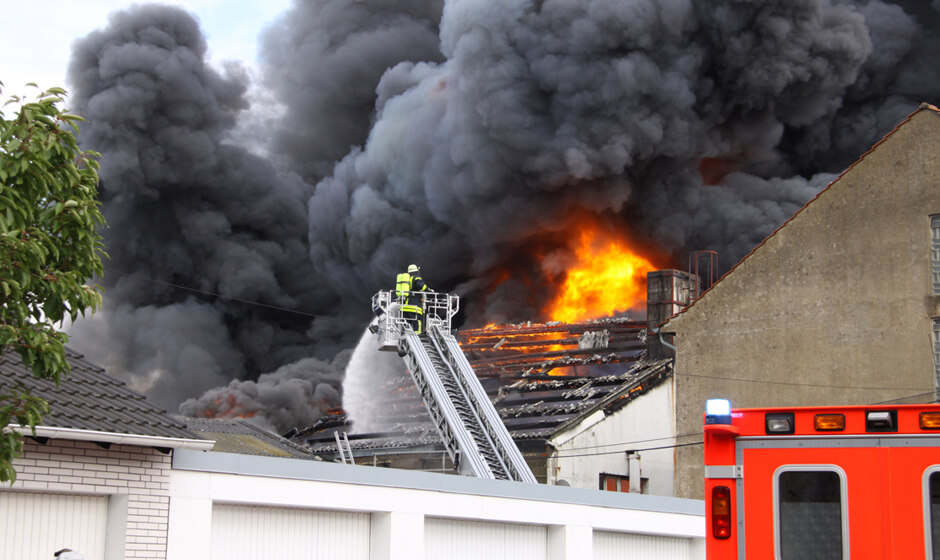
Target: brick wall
{"x":141,"y":474}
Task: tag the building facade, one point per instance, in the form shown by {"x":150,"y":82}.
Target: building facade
{"x":841,"y":305}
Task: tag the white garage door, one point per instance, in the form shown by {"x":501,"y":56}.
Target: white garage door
{"x":35,"y":525}
{"x":613,"y":546}
{"x":252,"y":532}
{"x":473,"y":540}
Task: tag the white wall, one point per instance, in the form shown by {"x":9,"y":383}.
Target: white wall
{"x":596,"y":445}
{"x":411,"y":512}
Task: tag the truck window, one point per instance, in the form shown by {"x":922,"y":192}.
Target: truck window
{"x":932,"y":493}
{"x":809,"y":514}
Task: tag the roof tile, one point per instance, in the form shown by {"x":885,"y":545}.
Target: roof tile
{"x":90,"y":399}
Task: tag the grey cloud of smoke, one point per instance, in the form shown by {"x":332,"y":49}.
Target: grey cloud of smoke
{"x":296,"y":394}
{"x":187,"y":209}
{"x":323,"y":59}
{"x":469,"y":137}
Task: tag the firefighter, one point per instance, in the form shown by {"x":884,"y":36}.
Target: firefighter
{"x":407,"y":288}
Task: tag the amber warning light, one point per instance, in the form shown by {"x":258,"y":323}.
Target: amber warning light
{"x":829,"y":422}
{"x":930,"y":420}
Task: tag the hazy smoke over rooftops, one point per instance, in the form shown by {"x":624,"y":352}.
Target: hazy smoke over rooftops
{"x":460,"y":135}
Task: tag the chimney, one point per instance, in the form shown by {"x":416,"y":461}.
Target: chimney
{"x":667,"y":292}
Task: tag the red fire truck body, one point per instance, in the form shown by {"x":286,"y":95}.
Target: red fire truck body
{"x":823,"y":482}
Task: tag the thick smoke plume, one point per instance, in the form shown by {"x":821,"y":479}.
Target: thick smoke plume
{"x":470,"y":137}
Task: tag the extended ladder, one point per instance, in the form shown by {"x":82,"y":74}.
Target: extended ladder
{"x":473,"y":433}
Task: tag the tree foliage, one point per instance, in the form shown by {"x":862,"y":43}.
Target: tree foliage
{"x":49,"y":248}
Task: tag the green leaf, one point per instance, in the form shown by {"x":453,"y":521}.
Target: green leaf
{"x":46,"y":253}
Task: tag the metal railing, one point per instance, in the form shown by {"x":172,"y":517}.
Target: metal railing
{"x":438,"y":310}
{"x":472,"y":431}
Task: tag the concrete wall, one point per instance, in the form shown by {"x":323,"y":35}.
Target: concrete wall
{"x":408,"y":510}
{"x":134,"y":479}
{"x":583,"y":451}
{"x":834,"y":308}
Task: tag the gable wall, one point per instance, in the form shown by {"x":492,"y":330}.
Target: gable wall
{"x":832,"y":309}
{"x":596,"y":445}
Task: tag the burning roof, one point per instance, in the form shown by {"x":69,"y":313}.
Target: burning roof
{"x":534,"y":389}
{"x":538,"y":350}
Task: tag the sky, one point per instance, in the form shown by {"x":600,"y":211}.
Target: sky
{"x":34,"y":51}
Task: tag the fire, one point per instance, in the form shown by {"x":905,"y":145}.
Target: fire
{"x":227,"y":406}
{"x":607,"y":277}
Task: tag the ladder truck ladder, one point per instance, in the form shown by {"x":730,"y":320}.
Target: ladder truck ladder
{"x":473,"y":433}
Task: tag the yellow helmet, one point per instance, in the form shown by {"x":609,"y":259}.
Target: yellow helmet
{"x":412,"y":268}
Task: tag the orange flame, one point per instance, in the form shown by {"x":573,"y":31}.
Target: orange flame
{"x":606,"y":277}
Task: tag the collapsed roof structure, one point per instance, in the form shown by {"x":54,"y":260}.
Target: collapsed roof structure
{"x":539,"y":376}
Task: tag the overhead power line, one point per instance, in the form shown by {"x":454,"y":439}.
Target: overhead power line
{"x":795,"y":384}
{"x":560,"y":456}
{"x":214,"y":294}
{"x":627,"y":444}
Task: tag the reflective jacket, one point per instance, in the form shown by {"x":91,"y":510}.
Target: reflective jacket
{"x":405,"y":283}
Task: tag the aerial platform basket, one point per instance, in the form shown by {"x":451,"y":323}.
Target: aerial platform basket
{"x":439,"y":309}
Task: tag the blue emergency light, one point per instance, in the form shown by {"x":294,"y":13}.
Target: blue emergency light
{"x":717,"y":411}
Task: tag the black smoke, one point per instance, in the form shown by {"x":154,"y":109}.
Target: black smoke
{"x":198,"y":226}
{"x":469,"y":137}
{"x":323,"y":60}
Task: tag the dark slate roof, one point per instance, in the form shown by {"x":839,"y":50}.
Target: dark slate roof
{"x":240,"y":436}
{"x":540,"y":377}
{"x":89,"y":399}
{"x":532,"y":409}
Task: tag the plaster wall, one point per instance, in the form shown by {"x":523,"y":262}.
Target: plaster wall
{"x":583,"y":451}
{"x":833,"y":308}
{"x":403,"y":504}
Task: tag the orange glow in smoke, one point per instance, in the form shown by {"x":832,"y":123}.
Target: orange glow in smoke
{"x":606,"y":277}
{"x":227,"y":406}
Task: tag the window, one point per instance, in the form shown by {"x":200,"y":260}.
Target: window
{"x":614,"y":482}
{"x":935,"y":254}
{"x":810,"y":517}
{"x":932,"y":511}
{"x":620,"y":483}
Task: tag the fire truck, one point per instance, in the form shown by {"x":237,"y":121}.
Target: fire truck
{"x":822,"y":482}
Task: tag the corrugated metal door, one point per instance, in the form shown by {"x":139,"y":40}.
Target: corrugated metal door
{"x":252,"y":532}
{"x":613,"y":546}
{"x":472,"y":540}
{"x":35,"y":525}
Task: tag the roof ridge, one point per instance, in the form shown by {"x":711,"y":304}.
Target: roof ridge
{"x":923,"y":106}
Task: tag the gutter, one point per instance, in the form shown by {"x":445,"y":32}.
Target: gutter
{"x":112,"y":437}
{"x":666,"y":344}
{"x":658,"y":331}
